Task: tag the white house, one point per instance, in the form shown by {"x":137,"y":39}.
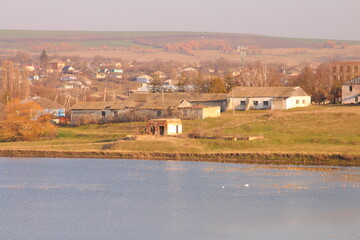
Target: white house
{"x":350,"y":91}
{"x":68,"y":77}
{"x":277,"y":98}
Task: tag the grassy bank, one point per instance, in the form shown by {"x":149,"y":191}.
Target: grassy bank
{"x":317,"y":131}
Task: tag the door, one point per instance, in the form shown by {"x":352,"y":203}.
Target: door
{"x":162,"y":130}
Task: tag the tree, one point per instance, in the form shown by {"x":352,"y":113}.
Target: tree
{"x":25,"y":122}
{"x":14,"y":81}
{"x":183,"y":82}
{"x":216,"y":86}
{"x":44,"y":59}
{"x":155,"y":85}
{"x":229,"y":81}
{"x":306,"y":80}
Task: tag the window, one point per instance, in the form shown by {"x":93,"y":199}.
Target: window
{"x":242,"y":103}
{"x":177,"y":129}
{"x":115,"y":113}
{"x":350,"y":88}
{"x":334,"y":69}
{"x":255,"y":103}
{"x":356,"y":68}
{"x":334,"y":77}
{"x":103,"y":113}
{"x":158,"y":113}
{"x":357,"y":99}
{"x":266,"y":103}
{"x":348,"y":68}
{"x":303,"y":101}
{"x":297,"y":101}
{"x":341,"y":68}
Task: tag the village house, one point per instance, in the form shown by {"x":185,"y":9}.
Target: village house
{"x":116,"y":70}
{"x":30,"y":68}
{"x":68,"y":70}
{"x":160,"y":75}
{"x":164,"y":127}
{"x":144,"y":79}
{"x":34,"y":78}
{"x":68,"y":77}
{"x":56,"y":66}
{"x":116,"y":75}
{"x":100,"y":75}
{"x":350,"y":91}
{"x":145,"y":88}
{"x":276,"y":98}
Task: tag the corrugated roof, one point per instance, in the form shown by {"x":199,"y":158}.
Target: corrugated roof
{"x":44,"y":103}
{"x":153,"y":101}
{"x":93,"y":105}
{"x":189,"y":96}
{"x":267,"y":92}
{"x":354,"y":81}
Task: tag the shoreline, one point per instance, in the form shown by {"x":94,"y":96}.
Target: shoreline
{"x":249,"y":158}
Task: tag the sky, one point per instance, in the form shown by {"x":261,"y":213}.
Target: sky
{"x":325,"y":19}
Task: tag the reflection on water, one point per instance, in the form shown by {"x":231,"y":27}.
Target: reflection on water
{"x":134,"y":199}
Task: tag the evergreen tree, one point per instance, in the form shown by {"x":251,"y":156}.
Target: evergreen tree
{"x":217,"y":86}
{"x":44,"y":59}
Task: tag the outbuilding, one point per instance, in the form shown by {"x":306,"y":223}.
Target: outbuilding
{"x":164,"y":127}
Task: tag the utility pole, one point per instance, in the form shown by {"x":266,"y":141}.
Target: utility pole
{"x":233,"y":103}
{"x":106,"y":80}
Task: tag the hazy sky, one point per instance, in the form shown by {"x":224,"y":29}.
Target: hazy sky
{"x":335,"y":19}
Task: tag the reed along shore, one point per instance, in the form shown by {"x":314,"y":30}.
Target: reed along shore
{"x":250,"y":158}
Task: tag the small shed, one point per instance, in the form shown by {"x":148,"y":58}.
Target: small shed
{"x":164,"y":127}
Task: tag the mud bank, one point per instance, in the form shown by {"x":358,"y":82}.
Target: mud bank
{"x":256,"y":158}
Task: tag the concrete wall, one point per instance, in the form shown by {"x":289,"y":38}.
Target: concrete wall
{"x":278,"y":104}
{"x":301,"y":101}
{"x":90,"y":116}
{"x":249,"y":103}
{"x":291,"y":102}
{"x":211,"y":112}
{"x":171,"y":129}
{"x":350,"y":95}
{"x":222,"y":104}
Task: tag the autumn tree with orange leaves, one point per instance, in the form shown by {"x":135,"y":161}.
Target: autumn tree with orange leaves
{"x":25,"y":122}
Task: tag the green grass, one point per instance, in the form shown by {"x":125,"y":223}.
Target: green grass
{"x":317,"y":129}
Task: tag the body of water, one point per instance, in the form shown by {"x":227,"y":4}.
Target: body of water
{"x":91,"y":199}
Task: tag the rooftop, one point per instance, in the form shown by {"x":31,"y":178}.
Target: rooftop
{"x":354,"y":81}
{"x":267,"y":92}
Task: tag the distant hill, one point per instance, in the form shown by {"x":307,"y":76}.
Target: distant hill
{"x":33,"y":40}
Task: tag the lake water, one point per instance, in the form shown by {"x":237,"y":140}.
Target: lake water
{"x":85,"y":199}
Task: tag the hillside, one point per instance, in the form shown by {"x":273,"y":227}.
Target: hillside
{"x":188,"y":47}
{"x":27,"y":38}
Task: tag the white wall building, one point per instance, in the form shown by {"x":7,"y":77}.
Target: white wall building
{"x":277,"y":98}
